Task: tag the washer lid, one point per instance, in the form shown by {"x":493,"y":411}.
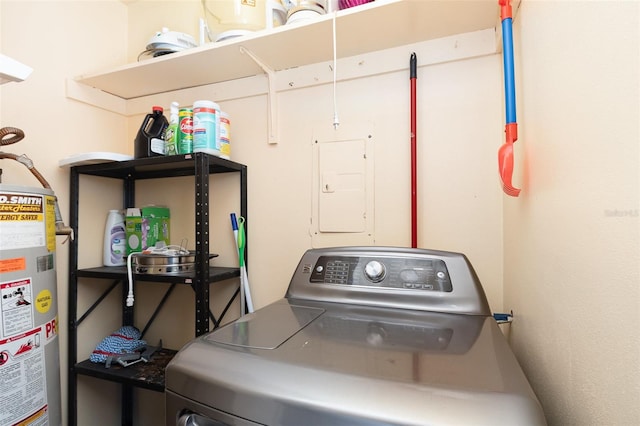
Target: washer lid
{"x":277,"y":323}
{"x":356,"y":365}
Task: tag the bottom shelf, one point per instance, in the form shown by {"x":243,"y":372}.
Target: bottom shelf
{"x":148,"y":375}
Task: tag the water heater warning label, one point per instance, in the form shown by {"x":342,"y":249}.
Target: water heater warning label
{"x":12,"y":265}
{"x":17,"y":308}
{"x":23,"y":384}
{"x":22,"y":220}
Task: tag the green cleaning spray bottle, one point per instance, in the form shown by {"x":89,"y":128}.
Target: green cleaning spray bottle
{"x":171,"y":134}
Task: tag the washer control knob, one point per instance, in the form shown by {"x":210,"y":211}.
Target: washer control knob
{"x":375,"y":271}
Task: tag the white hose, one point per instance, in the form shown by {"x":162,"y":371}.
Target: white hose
{"x":171,"y":250}
{"x":130,"y":298}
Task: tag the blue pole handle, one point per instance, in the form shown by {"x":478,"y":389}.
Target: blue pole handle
{"x":234,"y":222}
{"x":509,"y":73}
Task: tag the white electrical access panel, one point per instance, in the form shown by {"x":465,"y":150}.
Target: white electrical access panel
{"x":343,"y":188}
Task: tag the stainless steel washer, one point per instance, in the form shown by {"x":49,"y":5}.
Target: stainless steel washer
{"x":364,"y":336}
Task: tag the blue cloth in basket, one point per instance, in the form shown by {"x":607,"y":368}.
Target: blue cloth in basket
{"x":124,"y":340}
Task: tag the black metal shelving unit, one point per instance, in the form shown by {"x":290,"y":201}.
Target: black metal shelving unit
{"x":147,"y":375}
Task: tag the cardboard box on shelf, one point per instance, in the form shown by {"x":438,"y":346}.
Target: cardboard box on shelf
{"x":146,"y":226}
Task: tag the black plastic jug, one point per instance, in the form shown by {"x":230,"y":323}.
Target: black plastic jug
{"x":150,"y":138}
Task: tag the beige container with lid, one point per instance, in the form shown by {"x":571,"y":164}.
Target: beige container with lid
{"x":232,"y":18}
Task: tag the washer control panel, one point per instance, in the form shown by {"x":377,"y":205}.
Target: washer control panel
{"x":386,"y":272}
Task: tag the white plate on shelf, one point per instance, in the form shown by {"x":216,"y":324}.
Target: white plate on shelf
{"x":92,"y":158}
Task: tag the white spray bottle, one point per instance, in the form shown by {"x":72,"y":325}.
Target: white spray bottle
{"x":114,"y":240}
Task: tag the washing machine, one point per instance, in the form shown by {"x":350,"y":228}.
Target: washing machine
{"x":363,"y":336}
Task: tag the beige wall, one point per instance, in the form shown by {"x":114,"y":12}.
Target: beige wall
{"x":572,"y":239}
{"x":459,"y":126}
{"x":60,"y":40}
{"x":577,"y":172}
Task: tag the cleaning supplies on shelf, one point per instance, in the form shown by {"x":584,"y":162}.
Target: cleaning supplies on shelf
{"x":203,"y":127}
{"x":114,"y":240}
{"x":149,"y":141}
{"x":206,"y":119}
{"x":224,"y":135}
{"x":171,"y":134}
{"x":185,"y":130}
{"x":146,"y":226}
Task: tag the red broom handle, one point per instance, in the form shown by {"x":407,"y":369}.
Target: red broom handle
{"x":414,"y":181}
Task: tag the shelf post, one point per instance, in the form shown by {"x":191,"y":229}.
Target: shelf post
{"x":201,"y":282}
{"x":128,"y":201}
{"x":72,"y":308}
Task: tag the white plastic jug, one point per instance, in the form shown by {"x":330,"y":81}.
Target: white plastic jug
{"x":231,"y":18}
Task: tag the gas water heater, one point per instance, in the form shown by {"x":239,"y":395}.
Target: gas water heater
{"x":29,"y":343}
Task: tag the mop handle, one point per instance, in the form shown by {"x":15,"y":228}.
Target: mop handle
{"x":234,"y":222}
{"x":234,"y":227}
{"x":241,"y":241}
{"x":243,"y":267}
{"x":507,"y":53}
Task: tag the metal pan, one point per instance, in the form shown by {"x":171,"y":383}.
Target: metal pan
{"x":163,"y":264}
